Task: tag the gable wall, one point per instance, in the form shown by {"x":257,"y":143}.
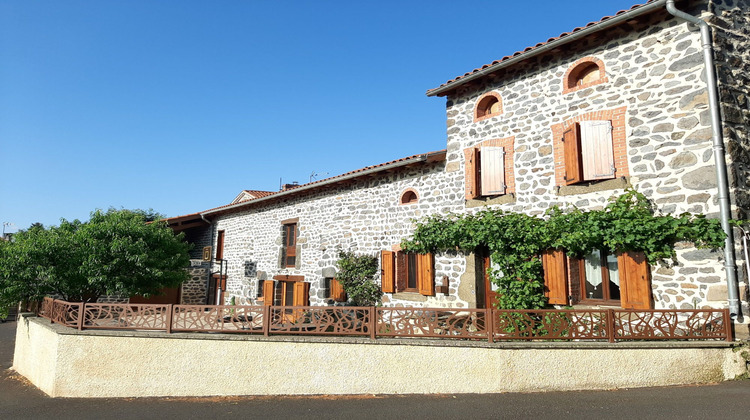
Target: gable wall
{"x":656,"y":73}
{"x":364,"y":217}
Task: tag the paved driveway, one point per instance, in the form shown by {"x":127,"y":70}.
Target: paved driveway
{"x":729,"y":400}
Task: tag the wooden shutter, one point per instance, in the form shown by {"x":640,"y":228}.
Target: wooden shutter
{"x":555,"y":278}
{"x":635,"y":280}
{"x":268,"y":292}
{"x":572,"y":149}
{"x":387,"y":272}
{"x":290,"y":243}
{"x":401,"y":269}
{"x":596,"y":150}
{"x":425,"y":275}
{"x":220,"y":245}
{"x":492,"y":172}
{"x":301,"y":293}
{"x":337,"y":291}
{"x":472,"y":173}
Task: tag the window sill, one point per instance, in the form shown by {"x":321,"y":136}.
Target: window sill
{"x":594,"y":186}
{"x":497,"y":199}
{"x":410,"y":296}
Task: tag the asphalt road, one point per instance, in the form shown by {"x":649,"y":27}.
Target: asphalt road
{"x":728,"y":400}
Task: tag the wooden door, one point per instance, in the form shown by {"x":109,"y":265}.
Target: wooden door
{"x":486,"y":297}
{"x":219,"y":286}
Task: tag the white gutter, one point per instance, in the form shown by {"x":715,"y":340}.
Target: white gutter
{"x":616,"y":20}
{"x":719,"y":155}
{"x":417,"y":159}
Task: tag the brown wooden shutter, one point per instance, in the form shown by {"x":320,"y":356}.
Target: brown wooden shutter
{"x":425,"y":275}
{"x":337,"y":291}
{"x":492,"y":164}
{"x":220,"y":245}
{"x":572,"y":148}
{"x":401,"y":269}
{"x":268,"y":292}
{"x":597,"y":152}
{"x":635,"y":280}
{"x":387,"y":273}
{"x":472,"y":173}
{"x":301,"y":293}
{"x":555,"y":279}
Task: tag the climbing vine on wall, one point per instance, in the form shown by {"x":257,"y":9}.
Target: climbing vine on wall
{"x":356,"y":275}
{"x":515,"y":240}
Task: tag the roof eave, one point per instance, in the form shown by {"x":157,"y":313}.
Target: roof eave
{"x":426,"y":157}
{"x":613,"y":21}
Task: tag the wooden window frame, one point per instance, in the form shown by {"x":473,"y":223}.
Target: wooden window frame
{"x":606,"y":300}
{"x":409,"y":196}
{"x":571,"y":79}
{"x":280,"y":285}
{"x":412,"y":267}
{"x":473,"y":168}
{"x":568,"y":155}
{"x":483,"y":107}
{"x":423,"y":267}
{"x":289,"y":231}
{"x":220,"y":245}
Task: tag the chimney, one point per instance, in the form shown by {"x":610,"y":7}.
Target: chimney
{"x":287,"y":187}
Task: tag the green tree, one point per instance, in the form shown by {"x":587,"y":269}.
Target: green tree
{"x":115,"y":252}
{"x":356,"y":275}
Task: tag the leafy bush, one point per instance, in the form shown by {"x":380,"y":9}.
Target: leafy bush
{"x":356,"y":275}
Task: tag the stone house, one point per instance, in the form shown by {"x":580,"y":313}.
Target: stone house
{"x":570,"y":121}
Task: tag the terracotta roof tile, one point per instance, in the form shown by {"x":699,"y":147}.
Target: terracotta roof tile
{"x":528,"y":49}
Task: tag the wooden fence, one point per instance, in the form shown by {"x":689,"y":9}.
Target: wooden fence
{"x":478,"y":324}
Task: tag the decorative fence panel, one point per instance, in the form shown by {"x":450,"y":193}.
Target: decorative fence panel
{"x":670,"y":325}
{"x":550,"y":325}
{"x":224,"y":318}
{"x":62,"y":312}
{"x":321,"y":320}
{"x":439,"y":323}
{"x":111,"y":316}
{"x":467,"y":324}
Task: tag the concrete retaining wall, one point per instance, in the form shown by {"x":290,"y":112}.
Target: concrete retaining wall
{"x":67,"y":363}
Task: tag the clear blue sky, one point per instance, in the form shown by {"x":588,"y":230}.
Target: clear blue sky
{"x":179,"y":105}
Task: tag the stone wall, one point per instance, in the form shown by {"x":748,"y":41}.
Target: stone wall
{"x":653,"y":89}
{"x":655,"y":70}
{"x":731,"y":29}
{"x":195,"y":288}
{"x":365,"y":217}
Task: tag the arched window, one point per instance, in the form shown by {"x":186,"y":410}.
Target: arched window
{"x":409,"y":197}
{"x":488,"y":105}
{"x":586,"y":72}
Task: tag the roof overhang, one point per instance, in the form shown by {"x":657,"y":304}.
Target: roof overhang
{"x":348,"y":177}
{"x":551,"y":45}
{"x":180,"y":223}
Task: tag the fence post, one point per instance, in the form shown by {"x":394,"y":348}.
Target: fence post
{"x":373,"y":321}
{"x":266,"y":319}
{"x":52,"y":309}
{"x":170,"y":308}
{"x":490,"y":316}
{"x":728,"y":325}
{"x":81,"y":313}
{"x":611,"y":325}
